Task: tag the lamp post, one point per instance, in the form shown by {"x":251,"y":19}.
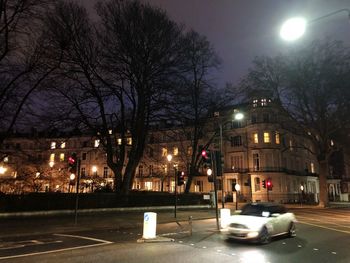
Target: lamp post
{"x":169,"y":158}
{"x":237,"y":188}
{"x":294,"y":28}
{"x":51,"y":164}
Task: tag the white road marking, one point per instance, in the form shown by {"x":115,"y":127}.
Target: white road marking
{"x":101,"y":242}
{"x":329,"y":228}
{"x":87,"y":238}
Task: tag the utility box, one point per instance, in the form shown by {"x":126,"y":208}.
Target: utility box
{"x":149,"y":225}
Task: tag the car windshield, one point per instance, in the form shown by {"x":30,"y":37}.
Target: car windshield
{"x":255,"y":210}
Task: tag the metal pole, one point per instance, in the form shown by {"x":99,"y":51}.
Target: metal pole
{"x":222,"y":176}
{"x":175,"y":176}
{"x":216,"y":201}
{"x":77,"y":193}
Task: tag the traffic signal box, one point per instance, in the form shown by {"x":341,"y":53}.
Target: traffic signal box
{"x":267,"y":184}
{"x":180,"y":178}
{"x":72,"y":163}
{"x":206,"y":157}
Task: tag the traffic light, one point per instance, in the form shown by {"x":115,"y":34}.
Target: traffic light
{"x":264,"y":183}
{"x":72,"y":163}
{"x":180,"y":178}
{"x":206,"y":157}
{"x":269,"y":184}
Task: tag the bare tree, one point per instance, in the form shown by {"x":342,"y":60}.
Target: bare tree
{"x":22,"y":64}
{"x":313,"y":86}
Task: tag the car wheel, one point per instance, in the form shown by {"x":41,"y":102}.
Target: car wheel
{"x":264,"y":237}
{"x":292,"y":230}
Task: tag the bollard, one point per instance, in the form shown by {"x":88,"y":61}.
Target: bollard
{"x":190,"y":224}
{"x":225,"y":215}
{"x":149,"y":225}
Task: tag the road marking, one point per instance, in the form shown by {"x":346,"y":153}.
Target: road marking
{"x":87,"y":238}
{"x":100,"y":241}
{"x":329,"y":228}
{"x":52,"y":251}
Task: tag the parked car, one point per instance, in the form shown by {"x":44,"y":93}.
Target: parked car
{"x":261,"y":221}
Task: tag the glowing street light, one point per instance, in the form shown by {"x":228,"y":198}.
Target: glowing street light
{"x":294,"y":28}
{"x":2,"y":170}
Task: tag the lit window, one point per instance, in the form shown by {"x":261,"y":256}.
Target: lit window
{"x":119,"y":141}
{"x":52,"y":157}
{"x":164,"y":151}
{"x":291,"y":145}
{"x":6,"y":159}
{"x":97,"y":143}
{"x":62,"y":157}
{"x":63,"y":145}
{"x":176,"y":150}
{"x":148,"y":186}
{"x":257,"y":183}
{"x":312,"y":166}
{"x":263,"y":102}
{"x":255,"y":103}
{"x":110,"y":131}
{"x":105,"y":172}
{"x":53,"y":145}
{"x":266,"y":137}
{"x":129,"y":141}
{"x":277,"y":138}
{"x":255,"y":137}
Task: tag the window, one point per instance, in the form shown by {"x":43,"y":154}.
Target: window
{"x":255,"y":137}
{"x":277,"y":137}
{"x":110,"y":132}
{"x":291,"y":144}
{"x":148,"y":186}
{"x":85,"y":144}
{"x":83,"y":157}
{"x":255,"y":103}
{"x":119,"y":141}
{"x":263,"y":102}
{"x":129,"y":141}
{"x":236,"y":162}
{"x":53,"y":145}
{"x":62,"y":157}
{"x":140,"y":170}
{"x":312,"y":168}
{"x":83,"y":171}
{"x":256,"y":162}
{"x":176,"y":151}
{"x":52,"y":157}
{"x":6,"y":159}
{"x":198,"y":186}
{"x":105,"y":172}
{"x":236,"y":141}
{"x":257,"y":184}
{"x":96,"y":143}
{"x":266,"y":137}
{"x":63,"y":145}
{"x":164,"y":152}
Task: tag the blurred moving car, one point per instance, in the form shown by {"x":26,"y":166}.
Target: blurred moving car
{"x":261,"y":221}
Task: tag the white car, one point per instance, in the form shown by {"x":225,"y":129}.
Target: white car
{"x":261,"y":221}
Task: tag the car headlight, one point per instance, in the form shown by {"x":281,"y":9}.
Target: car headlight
{"x":252,"y":234}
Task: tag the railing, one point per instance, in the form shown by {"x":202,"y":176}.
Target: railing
{"x":269,"y":170}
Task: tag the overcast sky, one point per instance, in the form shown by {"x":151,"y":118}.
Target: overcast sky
{"x":239,"y":30}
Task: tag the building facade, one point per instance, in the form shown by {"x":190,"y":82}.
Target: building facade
{"x":264,"y":145}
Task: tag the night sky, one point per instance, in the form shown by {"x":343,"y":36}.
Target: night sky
{"x":239,"y":30}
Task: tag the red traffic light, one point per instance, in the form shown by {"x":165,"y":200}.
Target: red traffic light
{"x":71,"y":160}
{"x":204,"y":154}
{"x":268,"y":183}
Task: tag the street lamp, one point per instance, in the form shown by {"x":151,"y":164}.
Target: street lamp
{"x":237,"y":188}
{"x":3,"y":170}
{"x":294,"y":28}
{"x":169,"y":158}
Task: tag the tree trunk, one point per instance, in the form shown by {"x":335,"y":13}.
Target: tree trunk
{"x":323,"y":202}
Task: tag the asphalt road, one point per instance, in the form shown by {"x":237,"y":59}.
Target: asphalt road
{"x":323,"y":235}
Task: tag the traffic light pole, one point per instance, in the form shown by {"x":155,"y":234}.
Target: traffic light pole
{"x":222,"y":176}
{"x":175,"y":177}
{"x":77,"y":193}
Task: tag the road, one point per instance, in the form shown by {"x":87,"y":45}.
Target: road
{"x":323,"y":235}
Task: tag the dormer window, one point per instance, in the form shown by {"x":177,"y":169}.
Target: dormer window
{"x":53,"y":145}
{"x":263,"y":102}
{"x":255,"y":103}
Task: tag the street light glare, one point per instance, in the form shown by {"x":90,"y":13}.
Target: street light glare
{"x":293,"y":28}
{"x":239,"y":116}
